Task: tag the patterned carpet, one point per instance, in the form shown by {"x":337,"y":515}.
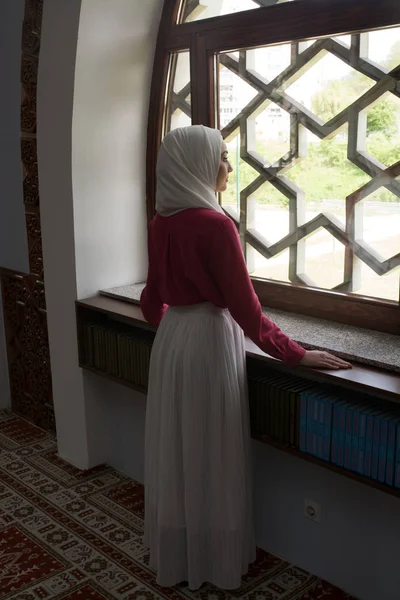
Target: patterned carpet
{"x":73,"y":535}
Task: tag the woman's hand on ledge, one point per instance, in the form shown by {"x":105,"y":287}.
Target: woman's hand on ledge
{"x":318,"y":359}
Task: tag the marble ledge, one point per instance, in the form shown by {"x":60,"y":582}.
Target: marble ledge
{"x":353,"y":343}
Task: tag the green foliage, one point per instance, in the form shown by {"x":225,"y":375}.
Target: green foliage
{"x":339,"y":94}
{"x":387,"y":151}
{"x":383,"y":117}
{"x":326,"y":173}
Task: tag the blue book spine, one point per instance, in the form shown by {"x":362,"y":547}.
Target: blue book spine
{"x":383,"y":449}
{"x":303,"y":423}
{"x":348,"y":438}
{"x":397,"y":466}
{"x":310,"y":424}
{"x":321,"y":427}
{"x":354,"y":440}
{"x":326,"y":454}
{"x":342,"y":434}
{"x":361,"y":443}
{"x":369,"y":434}
{"x":315,"y":427}
{"x":391,"y":451}
{"x":375,"y":447}
{"x":335,"y":435}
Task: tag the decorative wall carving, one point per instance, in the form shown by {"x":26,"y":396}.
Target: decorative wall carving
{"x":24,"y":294}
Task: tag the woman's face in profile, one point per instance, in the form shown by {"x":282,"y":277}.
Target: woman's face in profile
{"x":224,"y":169}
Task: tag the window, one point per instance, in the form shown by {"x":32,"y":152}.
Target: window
{"x":320,"y":134}
{"x":195,"y":10}
{"x":311,"y":115}
{"x":178,"y":112}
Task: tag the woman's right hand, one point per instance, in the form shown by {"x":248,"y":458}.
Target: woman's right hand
{"x":319,"y":359}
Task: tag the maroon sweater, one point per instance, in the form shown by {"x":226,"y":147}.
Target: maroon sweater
{"x":195,"y":256}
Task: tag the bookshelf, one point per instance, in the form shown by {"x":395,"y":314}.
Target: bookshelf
{"x":115,"y":341}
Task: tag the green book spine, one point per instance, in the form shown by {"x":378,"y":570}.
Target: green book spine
{"x":96,"y":344}
{"x":131,"y":361}
{"x":88,"y":357}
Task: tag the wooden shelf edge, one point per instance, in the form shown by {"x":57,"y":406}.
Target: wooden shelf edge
{"x":362,"y":378}
{"x":392,"y":491}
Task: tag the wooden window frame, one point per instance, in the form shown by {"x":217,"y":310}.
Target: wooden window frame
{"x":281,"y":23}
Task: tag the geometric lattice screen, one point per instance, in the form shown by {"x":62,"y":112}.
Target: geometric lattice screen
{"x":179,"y":112}
{"x":313,"y":131}
{"x":371,"y":100}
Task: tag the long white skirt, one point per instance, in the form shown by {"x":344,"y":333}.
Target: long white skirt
{"x":198,"y":519}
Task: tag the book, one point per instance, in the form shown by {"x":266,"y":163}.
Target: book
{"x":328,"y":424}
{"x":303,"y":422}
{"x":397,"y":458}
{"x":356,"y":411}
{"x":89,"y":345}
{"x":108,"y":351}
{"x":369,"y":434}
{"x":284,"y":412}
{"x":315,"y":421}
{"x":335,"y":434}
{"x":342,"y":410}
{"x":319,"y":423}
{"x":383,"y":442}
{"x":376,"y":444}
{"x":391,"y":449}
{"x":96,"y":347}
{"x":266,"y":396}
{"x":310,"y":423}
{"x":354,"y":438}
{"x":252,"y":390}
{"x":348,"y":438}
{"x":361,"y":440}
{"x":295,"y":392}
{"x":275,"y":412}
{"x":122,"y":356}
{"x":288,"y":397}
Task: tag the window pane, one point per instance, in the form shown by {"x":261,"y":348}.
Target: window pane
{"x":197,"y":10}
{"x":275,"y":268}
{"x":178,"y":111}
{"x":313,"y":132}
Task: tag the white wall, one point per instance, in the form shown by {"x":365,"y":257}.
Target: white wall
{"x":124,"y":411}
{"x":94,"y":80}
{"x":55,"y":105}
{"x":356,"y":545}
{"x":112,"y":85}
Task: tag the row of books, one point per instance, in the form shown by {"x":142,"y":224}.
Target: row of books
{"x":275,"y":404}
{"x":337,"y":426}
{"x":347,"y":430}
{"x":355,"y":433}
{"x":117,"y":353}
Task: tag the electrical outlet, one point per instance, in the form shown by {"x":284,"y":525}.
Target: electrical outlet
{"x":312,"y":510}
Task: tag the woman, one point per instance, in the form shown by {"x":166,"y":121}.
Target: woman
{"x":198,"y":521}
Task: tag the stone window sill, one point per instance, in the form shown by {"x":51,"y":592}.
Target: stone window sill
{"x":381,"y":350}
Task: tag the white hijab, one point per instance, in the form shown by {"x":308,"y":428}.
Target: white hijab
{"x":187,"y":168}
